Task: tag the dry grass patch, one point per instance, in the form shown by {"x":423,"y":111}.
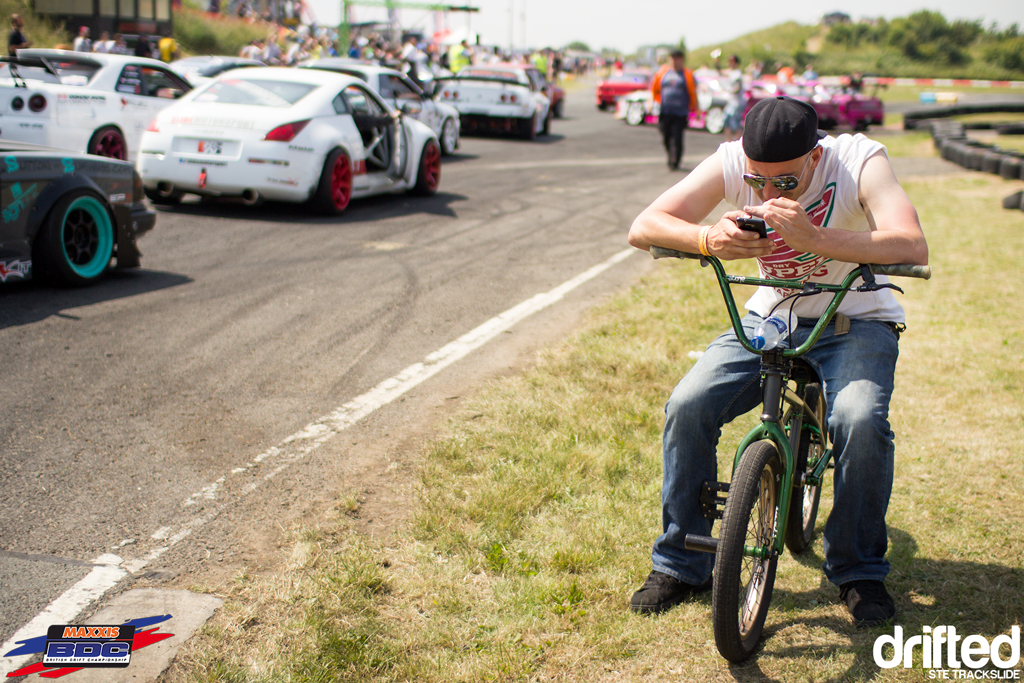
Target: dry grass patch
{"x":535,"y":516}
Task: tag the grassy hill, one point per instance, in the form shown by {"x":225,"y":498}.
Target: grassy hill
{"x":39,"y":31}
{"x":922,"y":45}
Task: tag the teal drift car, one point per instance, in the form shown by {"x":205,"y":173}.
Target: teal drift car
{"x":67,"y":217}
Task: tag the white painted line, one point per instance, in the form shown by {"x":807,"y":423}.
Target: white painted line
{"x":292,"y":449}
{"x":66,"y":608}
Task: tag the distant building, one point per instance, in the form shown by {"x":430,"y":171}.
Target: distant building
{"x":115,"y":16}
{"x":835,"y":18}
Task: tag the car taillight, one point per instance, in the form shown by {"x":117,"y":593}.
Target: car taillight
{"x":17,"y":104}
{"x":455,"y":95}
{"x":37,"y":103}
{"x":286,"y":132}
{"x":153,"y":127}
{"x":446,"y":94}
{"x":513,"y":99}
{"x":504,"y":98}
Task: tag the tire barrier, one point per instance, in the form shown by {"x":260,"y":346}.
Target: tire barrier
{"x":921,"y":117}
{"x":952,"y":144}
{"x":1010,"y":167}
{"x":1014,"y":201}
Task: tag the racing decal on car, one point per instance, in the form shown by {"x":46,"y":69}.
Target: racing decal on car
{"x":69,"y":165}
{"x":359,"y":167}
{"x":138,"y":104}
{"x":18,"y":201}
{"x":272,"y":162}
{"x":787,"y":263}
{"x":297,"y":148}
{"x":30,"y":125}
{"x":15,"y":268}
{"x":80,"y":99}
{"x":12,"y":164}
{"x":217,"y":121}
{"x":202,"y":162}
{"x":117,"y":197}
{"x":282,"y":181}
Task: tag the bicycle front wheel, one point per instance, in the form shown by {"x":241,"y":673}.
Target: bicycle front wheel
{"x":743,"y":583}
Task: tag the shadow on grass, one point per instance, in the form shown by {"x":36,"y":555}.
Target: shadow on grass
{"x":974,"y":597}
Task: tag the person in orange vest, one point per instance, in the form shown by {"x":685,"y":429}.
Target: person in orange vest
{"x":673,"y":87}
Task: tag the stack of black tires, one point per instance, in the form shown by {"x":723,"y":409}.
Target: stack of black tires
{"x":952,"y":143}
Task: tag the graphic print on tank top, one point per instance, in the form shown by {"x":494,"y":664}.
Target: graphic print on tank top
{"x":787,"y":263}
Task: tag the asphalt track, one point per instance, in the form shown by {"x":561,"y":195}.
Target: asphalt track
{"x":138,"y":415}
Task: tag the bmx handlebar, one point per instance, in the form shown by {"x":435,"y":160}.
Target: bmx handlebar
{"x":897,"y":269}
{"x":838,"y":291}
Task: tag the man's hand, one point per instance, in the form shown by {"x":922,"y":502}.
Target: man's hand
{"x":789,"y":219}
{"x":729,"y":242}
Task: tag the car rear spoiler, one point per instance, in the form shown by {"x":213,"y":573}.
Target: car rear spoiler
{"x":39,"y":62}
{"x":490,"y":79}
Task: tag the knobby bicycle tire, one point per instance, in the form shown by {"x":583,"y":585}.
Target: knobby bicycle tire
{"x":803,"y":505}
{"x":743,"y":584}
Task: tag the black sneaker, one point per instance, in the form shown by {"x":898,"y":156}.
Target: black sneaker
{"x":661,"y":591}
{"x":869,"y":603}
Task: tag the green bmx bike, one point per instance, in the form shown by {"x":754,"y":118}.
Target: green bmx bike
{"x":771,"y":500}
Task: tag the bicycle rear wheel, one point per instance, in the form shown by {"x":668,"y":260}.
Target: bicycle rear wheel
{"x":743,"y":583}
{"x":803,"y":505}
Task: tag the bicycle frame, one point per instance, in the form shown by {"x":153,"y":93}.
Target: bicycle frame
{"x":776,"y":366}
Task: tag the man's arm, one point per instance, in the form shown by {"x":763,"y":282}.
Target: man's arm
{"x":673,"y":220}
{"x":895,"y":236}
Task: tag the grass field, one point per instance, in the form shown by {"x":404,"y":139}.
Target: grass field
{"x":535,"y":514}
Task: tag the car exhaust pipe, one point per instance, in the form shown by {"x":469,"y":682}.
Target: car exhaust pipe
{"x":250,"y":197}
{"x":165,"y":189}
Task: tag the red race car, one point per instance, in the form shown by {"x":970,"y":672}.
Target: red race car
{"x":621,"y":83}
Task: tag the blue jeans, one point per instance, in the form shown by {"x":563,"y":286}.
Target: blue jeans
{"x":857,"y":371}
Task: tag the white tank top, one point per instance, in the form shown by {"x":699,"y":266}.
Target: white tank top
{"x":832,"y":201}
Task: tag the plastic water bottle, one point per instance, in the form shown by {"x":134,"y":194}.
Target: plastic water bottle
{"x":769,"y":333}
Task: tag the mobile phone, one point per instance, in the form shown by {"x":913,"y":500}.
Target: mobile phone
{"x":753,"y":225}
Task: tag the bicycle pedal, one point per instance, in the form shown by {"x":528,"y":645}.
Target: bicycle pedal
{"x":705,"y":544}
{"x":712,"y":499}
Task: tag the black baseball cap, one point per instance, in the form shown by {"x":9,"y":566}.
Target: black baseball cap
{"x":780,"y":129}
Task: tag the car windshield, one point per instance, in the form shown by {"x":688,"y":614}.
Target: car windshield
{"x":258,"y":92}
{"x":199,"y":65}
{"x":507,"y":76}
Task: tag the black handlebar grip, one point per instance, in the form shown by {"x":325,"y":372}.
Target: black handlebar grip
{"x":903,"y":270}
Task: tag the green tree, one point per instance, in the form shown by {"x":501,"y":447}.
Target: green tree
{"x":578,"y":45}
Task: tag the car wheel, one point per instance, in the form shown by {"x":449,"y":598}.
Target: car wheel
{"x":109,"y":142}
{"x":602,"y":106}
{"x":861,"y":125}
{"x":635,"y":113}
{"x":334,"y":191}
{"x":528,"y":128}
{"x":560,"y":109}
{"x":159,"y":199}
{"x":714,"y":120}
{"x":76,"y":242}
{"x":428,"y":177}
{"x":449,"y":137}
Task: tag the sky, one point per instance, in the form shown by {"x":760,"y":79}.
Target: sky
{"x":627,"y":24}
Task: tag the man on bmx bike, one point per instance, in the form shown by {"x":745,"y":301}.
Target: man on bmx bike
{"x":830,"y":204}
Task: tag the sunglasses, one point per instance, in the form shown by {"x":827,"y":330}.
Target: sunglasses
{"x":782,"y":183}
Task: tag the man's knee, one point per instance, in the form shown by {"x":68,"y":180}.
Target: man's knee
{"x":860,"y":415}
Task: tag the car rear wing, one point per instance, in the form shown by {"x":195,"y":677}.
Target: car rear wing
{"x":38,"y":62}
